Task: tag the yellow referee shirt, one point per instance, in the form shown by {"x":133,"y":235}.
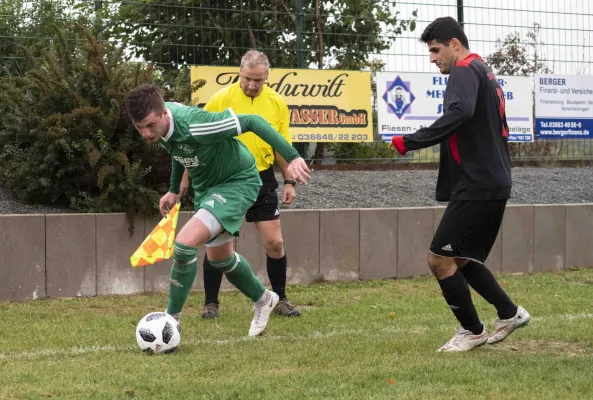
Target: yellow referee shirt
{"x":268,"y":104}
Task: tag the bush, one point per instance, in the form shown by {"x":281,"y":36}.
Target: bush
{"x":360,"y":153}
{"x":65,"y":139}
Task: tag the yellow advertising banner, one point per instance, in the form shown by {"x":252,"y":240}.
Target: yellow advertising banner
{"x":325,"y":105}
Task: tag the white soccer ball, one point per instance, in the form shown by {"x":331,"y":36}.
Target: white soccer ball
{"x":158,"y":333}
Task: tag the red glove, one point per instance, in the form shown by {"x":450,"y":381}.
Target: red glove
{"x":398,"y":143}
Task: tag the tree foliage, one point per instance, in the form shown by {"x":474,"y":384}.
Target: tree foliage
{"x":337,"y":34}
{"x":30,"y":24}
{"x":514,"y":56}
{"x":64,"y":137}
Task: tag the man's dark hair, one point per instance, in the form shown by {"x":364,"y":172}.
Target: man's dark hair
{"x":442,"y":30}
{"x":143,"y":100}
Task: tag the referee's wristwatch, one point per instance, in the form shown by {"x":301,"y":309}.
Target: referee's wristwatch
{"x":290,"y":182}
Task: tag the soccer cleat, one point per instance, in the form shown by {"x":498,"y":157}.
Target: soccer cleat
{"x":176,"y":316}
{"x":504,"y":327}
{"x":286,"y":309}
{"x":262,"y":313}
{"x":210,"y":311}
{"x":465,"y":340}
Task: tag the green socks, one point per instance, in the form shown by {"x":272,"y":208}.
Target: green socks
{"x":236,"y":268}
{"x":183,"y":272}
{"x":239,"y":273}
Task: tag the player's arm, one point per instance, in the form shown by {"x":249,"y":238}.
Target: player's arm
{"x":209,"y":128}
{"x":177,"y":170}
{"x":462,"y":93}
{"x":184,"y":184}
{"x":213,"y":127}
{"x":256,"y":124}
{"x":172,"y":196}
{"x":284,"y":131}
{"x":261,"y":127}
{"x":283,"y":167}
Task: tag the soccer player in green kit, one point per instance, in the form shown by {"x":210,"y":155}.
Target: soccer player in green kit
{"x":226,"y":183}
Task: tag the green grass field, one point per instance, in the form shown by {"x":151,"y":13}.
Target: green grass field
{"x":359,"y":340}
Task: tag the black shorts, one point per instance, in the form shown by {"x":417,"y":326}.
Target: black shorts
{"x":468,"y":229}
{"x":265,"y":207}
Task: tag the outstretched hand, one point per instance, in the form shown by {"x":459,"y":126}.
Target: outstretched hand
{"x":299,"y":170}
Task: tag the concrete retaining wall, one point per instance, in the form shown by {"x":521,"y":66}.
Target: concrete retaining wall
{"x":71,"y":255}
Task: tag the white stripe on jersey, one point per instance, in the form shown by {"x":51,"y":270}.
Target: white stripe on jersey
{"x":210,"y":130}
{"x":239,"y":132}
{"x":201,"y":127}
{"x":206,"y":124}
{"x":222,"y":129}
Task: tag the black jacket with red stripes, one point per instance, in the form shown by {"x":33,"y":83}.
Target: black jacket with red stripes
{"x":473,"y":132}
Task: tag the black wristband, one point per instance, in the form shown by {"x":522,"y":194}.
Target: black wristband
{"x":290,"y":182}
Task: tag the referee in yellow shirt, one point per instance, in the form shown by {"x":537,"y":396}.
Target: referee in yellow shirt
{"x":250,"y":95}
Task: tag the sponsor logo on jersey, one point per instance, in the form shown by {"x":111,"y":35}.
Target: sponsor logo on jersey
{"x":185,"y":148}
{"x":187,"y":161}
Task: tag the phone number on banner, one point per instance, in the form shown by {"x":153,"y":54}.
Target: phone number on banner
{"x":331,"y":137}
{"x":560,"y":124}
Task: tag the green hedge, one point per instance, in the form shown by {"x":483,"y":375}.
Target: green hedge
{"x":65,"y":138}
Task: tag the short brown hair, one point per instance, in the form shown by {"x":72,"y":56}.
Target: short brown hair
{"x":143,"y":100}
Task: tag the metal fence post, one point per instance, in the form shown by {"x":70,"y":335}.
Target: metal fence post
{"x":300,"y":60}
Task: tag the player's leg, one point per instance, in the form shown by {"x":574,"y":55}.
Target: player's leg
{"x":212,"y":282}
{"x":458,"y":297}
{"x":484,"y":283}
{"x":237,"y":270}
{"x":228,"y":204}
{"x":276,"y":264}
{"x":239,"y":273}
{"x":510,"y":316}
{"x":185,"y":264}
{"x":453,"y":240}
{"x":265,"y":214}
{"x":221,"y":254}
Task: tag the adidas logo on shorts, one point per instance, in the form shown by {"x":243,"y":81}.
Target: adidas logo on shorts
{"x":448,"y":247}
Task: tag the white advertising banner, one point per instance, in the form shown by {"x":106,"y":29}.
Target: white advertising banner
{"x":564,"y":106}
{"x":410,"y":101}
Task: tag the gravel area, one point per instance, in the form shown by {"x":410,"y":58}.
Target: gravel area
{"x":9,"y":205}
{"x":377,"y":189}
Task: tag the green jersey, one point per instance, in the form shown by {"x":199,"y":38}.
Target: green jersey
{"x":224,"y":176}
{"x":203,"y":143}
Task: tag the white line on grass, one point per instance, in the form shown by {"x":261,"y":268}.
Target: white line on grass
{"x":311,"y":336}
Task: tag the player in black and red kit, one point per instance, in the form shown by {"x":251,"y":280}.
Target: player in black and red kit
{"x":474,"y":177}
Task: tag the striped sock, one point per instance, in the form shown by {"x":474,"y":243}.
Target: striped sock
{"x":181,"y":279}
{"x":239,"y":273}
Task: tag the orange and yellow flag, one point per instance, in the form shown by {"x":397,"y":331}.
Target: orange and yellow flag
{"x":158,"y":246}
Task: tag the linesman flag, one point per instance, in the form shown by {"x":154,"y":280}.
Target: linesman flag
{"x":158,"y":246}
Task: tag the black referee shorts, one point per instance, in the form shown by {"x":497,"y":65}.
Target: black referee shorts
{"x":265,"y":207}
{"x":468,"y":229}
